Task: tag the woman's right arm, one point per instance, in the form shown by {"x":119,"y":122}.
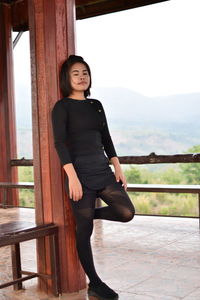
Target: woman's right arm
{"x":59,"y":123}
{"x":75,"y":187}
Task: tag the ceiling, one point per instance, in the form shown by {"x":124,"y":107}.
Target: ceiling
{"x":84,"y":9}
{"x":91,"y":8}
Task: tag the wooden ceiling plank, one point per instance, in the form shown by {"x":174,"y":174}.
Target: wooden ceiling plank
{"x":84,"y":9}
{"x":20,"y":15}
{"x":88,"y":2}
{"x":97,"y":9}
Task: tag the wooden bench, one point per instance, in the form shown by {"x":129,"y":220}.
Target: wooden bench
{"x":13,"y":233}
{"x":166,"y":188}
{"x":15,"y":185}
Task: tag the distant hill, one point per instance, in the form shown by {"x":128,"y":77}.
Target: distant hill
{"x":128,"y":105}
{"x":141,"y":125}
{"x":138,"y":124}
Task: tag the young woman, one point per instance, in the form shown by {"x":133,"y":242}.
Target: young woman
{"x":82,"y":139}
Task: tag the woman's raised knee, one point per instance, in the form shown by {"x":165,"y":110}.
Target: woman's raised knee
{"x":127,"y":215}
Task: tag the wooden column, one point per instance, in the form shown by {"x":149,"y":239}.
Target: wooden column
{"x":7,"y":110}
{"x":51,"y":25}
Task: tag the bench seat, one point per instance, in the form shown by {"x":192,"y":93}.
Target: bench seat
{"x":13,"y":233}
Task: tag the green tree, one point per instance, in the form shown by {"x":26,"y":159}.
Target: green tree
{"x":25,"y":174}
{"x":26,"y":196}
{"x":171,"y":176}
{"x":133,"y":175}
{"x":191,"y":171}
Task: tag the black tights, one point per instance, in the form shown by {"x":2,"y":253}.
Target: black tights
{"x":120,"y":208}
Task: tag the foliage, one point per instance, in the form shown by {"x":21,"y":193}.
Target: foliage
{"x":147,"y":203}
{"x":133,"y":175}
{"x":191,"y":171}
{"x":25,"y":174}
{"x":165,"y":203}
{"x":26,"y":196}
{"x":171,"y":176}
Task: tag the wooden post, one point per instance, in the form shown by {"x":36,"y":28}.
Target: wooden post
{"x":51,"y":25}
{"x":7,"y":110}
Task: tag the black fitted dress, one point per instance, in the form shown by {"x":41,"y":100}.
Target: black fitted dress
{"x":82,"y":137}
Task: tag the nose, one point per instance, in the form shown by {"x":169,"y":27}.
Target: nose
{"x":82,"y":77}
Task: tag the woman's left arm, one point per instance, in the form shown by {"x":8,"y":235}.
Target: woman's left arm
{"x":118,"y":171}
{"x":110,"y":151}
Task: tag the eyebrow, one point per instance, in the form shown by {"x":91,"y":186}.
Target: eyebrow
{"x":78,"y":70}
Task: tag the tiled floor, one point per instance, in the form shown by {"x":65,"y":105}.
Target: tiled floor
{"x":147,"y":258}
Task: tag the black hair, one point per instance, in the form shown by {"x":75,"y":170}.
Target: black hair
{"x":65,"y":85}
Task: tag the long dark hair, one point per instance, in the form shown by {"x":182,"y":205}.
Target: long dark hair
{"x":65,"y":85}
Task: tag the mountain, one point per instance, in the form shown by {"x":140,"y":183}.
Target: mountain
{"x":139,"y":125}
{"x":128,"y":105}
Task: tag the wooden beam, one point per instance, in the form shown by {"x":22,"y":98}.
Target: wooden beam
{"x":86,"y":9}
{"x":21,"y":162}
{"x":51,"y":25}
{"x":152,"y":158}
{"x":7,"y":107}
{"x":88,"y":2}
{"x":20,"y":15}
{"x":161,"y":159}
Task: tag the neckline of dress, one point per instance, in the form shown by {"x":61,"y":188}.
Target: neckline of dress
{"x":77,"y":100}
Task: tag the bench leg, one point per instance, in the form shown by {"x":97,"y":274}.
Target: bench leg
{"x":55,"y":265}
{"x":16,"y":265}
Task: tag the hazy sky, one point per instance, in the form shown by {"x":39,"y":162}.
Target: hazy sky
{"x":153,"y":50}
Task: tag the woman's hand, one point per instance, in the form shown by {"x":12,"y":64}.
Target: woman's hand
{"x":119,"y":175}
{"x":75,"y":187}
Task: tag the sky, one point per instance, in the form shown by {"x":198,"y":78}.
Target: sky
{"x":152,"y":50}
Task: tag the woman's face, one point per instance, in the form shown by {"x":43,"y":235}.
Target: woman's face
{"x":79,"y":77}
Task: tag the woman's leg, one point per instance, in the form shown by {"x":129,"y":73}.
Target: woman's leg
{"x":120,"y":207}
{"x":83,"y":211}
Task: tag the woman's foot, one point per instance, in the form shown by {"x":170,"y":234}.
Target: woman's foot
{"x":102,"y":292}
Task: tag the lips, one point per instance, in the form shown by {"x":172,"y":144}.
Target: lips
{"x":82,"y":83}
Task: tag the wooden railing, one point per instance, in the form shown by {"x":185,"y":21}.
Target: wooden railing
{"x":5,"y":186}
{"x":152,"y":158}
{"x":167,"y":188}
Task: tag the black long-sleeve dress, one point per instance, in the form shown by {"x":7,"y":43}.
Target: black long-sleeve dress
{"x":81,"y":136}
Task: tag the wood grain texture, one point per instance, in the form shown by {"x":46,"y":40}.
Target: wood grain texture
{"x":92,"y":8}
{"x":153,"y":158}
{"x":84,"y":9}
{"x":14,"y":233}
{"x":20,"y":15}
{"x":51,"y":26}
{"x":7,"y":105}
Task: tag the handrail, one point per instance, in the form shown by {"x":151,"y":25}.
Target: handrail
{"x":152,"y":158}
{"x":167,"y":188}
{"x":23,"y":162}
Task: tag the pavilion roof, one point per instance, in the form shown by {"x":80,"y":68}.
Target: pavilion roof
{"x":84,"y":9}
